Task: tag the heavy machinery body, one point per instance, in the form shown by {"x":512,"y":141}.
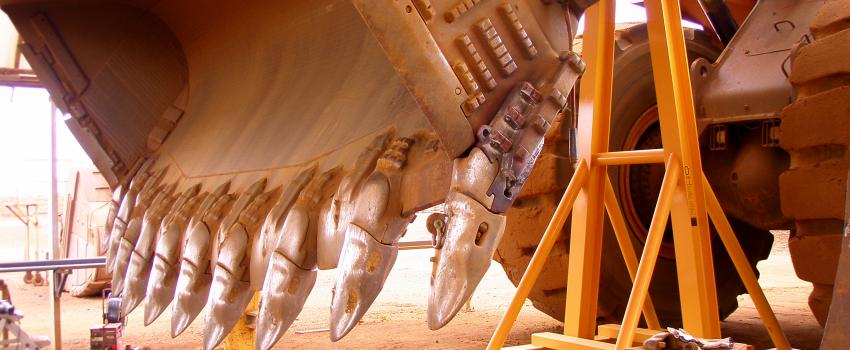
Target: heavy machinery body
{"x":232,"y":92}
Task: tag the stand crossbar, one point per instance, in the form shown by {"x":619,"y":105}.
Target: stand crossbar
{"x":686,"y":198}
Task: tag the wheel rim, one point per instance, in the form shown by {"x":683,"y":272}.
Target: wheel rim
{"x":639,"y":184}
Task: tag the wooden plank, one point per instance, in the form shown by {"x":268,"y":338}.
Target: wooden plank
{"x":835,"y":335}
{"x":612,"y":330}
{"x":565,"y":342}
{"x":524,"y":347}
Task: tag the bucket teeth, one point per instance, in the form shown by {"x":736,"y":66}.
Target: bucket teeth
{"x":158,"y":218}
{"x":466,"y":241}
{"x":122,"y":218}
{"x":143,"y":220}
{"x":364,"y":268}
{"x":291,"y":273}
{"x":111,"y":214}
{"x":370,"y":247}
{"x":156,"y":196}
{"x":231,"y":288}
{"x":337,"y":213}
{"x":136,"y":201}
{"x":193,"y":282}
{"x":124,"y":210}
{"x":166,"y":259}
{"x":263,"y":246}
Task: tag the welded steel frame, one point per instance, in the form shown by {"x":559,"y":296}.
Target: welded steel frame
{"x":685,"y":196}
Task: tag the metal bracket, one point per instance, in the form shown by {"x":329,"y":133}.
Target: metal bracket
{"x":514,"y":137}
{"x":59,"y":278}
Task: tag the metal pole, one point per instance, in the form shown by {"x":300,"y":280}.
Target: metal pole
{"x":54,"y":230}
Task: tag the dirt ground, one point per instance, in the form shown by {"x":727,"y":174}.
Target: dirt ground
{"x":397,"y":318}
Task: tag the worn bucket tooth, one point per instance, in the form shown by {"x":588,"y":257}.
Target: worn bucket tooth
{"x":467,"y":240}
{"x":157,"y":220}
{"x":122,"y":218}
{"x":202,"y":252}
{"x":142,"y":181}
{"x":144,"y":221}
{"x":166,"y":259}
{"x":472,"y":234}
{"x":364,"y":267}
{"x":371,"y":240}
{"x":163,"y":271}
{"x":160,"y":289}
{"x":263,"y":246}
{"x":193,"y":287}
{"x":243,"y":200}
{"x":193,"y":282}
{"x":229,"y":295}
{"x":336,"y":214}
{"x":231,"y":286}
{"x":112,"y":212}
{"x":284,"y":293}
{"x":291,"y":273}
{"x":146,"y":195}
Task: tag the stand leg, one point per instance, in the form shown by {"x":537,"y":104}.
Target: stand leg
{"x":593,"y":135}
{"x":691,"y":236}
{"x":748,"y":276}
{"x":628,"y":250}
{"x":539,"y":258}
{"x":650,"y":254}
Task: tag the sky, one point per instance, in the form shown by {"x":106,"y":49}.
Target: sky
{"x":25,"y":127}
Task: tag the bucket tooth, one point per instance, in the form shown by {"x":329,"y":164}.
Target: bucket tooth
{"x":487,"y":182}
{"x":157,"y":220}
{"x":112,"y":212}
{"x":471,"y":235}
{"x":124,"y":211}
{"x":284,"y":294}
{"x":467,"y":240}
{"x":122,"y":218}
{"x":231,"y":286}
{"x":229,"y":294}
{"x":242,"y":201}
{"x":371,"y":240}
{"x":263,"y":246}
{"x":364,"y":268}
{"x":166,"y":259}
{"x":145,"y":220}
{"x":193,"y":282}
{"x":136,"y":206}
{"x":337,"y":213}
{"x":291,"y":273}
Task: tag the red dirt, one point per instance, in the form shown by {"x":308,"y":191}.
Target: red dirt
{"x":397,"y":318}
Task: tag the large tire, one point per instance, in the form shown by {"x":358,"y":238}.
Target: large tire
{"x":815,"y":131}
{"x":633,"y":95}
